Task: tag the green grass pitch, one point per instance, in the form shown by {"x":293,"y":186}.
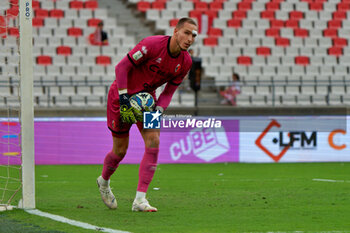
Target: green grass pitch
{"x":195,"y":198}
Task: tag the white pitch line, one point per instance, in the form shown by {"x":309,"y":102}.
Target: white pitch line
{"x":333,"y":181}
{"x":73,"y":222}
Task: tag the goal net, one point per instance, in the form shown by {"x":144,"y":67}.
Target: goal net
{"x":16,"y":105}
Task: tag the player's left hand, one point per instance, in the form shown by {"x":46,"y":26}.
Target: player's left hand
{"x":126,"y":112}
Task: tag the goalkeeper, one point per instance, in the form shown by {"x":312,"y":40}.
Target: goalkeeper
{"x":151,"y":63}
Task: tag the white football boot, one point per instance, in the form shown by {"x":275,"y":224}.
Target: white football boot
{"x":106,"y":194}
{"x":142,"y":205}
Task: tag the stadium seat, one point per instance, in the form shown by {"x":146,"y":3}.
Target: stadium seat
{"x":302,"y":60}
{"x":235,"y":23}
{"x":263,"y":51}
{"x":12,"y":31}
{"x":44,"y":60}
{"x":75,"y":32}
{"x":244,"y":60}
{"x":36,"y":4}
{"x":56,"y":13}
{"x":64,"y":50}
{"x":93,"y":5}
{"x":210,"y":41}
{"x":335,"y":51}
{"x":143,"y":6}
{"x":103,"y":60}
{"x":158,"y":5}
{"x":93,"y":22}
{"x":76,"y":5}
{"x":214,"y":32}
{"x":41,"y":13}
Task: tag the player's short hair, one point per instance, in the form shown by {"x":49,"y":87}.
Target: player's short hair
{"x":184,"y":20}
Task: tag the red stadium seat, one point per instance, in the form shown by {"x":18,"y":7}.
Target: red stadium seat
{"x":292,"y":23}
{"x":244,"y":60}
{"x":214,"y":32}
{"x":339,"y":15}
{"x":302,"y":60}
{"x":12,"y":12}
{"x":272,"y":32}
{"x":339,"y":42}
{"x":56,"y":13}
{"x":343,"y":6}
{"x":38,"y":22}
{"x":75,"y":32}
{"x":103,"y":60}
{"x":211,"y":14}
{"x":276,"y":23}
{"x":93,"y":22}
{"x":299,"y":32}
{"x":13,"y":31}
{"x":210,"y":41}
{"x":41,"y":13}
{"x":35,"y":4}
{"x":330,"y":32}
{"x":2,"y":26}
{"x":158,"y":5}
{"x":196,"y":14}
{"x":335,"y":23}
{"x":143,"y":6}
{"x":296,"y":15}
{"x":283,"y":42}
{"x":44,"y":60}
{"x":64,"y":50}
{"x":173,"y":22}
{"x":76,"y":4}
{"x":91,"y":5}
{"x":202,"y":6}
{"x":234,"y":23}
{"x":272,"y":6}
{"x":316,"y":6}
{"x":239,"y":14}
{"x":215,"y":6}
{"x":335,"y":51}
{"x":263,"y":51}
{"x":267,"y":14}
{"x":244,"y":6}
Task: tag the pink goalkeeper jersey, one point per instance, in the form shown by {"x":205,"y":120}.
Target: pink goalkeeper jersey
{"x":154,"y":65}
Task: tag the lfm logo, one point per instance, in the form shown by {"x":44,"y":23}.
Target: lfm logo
{"x":306,"y":141}
{"x":204,"y":143}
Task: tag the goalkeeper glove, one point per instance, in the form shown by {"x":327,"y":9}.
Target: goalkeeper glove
{"x":126,"y":113}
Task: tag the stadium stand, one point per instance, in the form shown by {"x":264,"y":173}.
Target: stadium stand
{"x":287,"y":52}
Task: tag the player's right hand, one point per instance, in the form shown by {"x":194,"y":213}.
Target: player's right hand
{"x":126,"y":112}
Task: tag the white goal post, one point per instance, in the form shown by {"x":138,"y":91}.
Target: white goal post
{"x":26,"y":104}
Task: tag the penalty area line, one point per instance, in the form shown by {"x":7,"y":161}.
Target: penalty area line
{"x":73,"y":222}
{"x":332,"y":181}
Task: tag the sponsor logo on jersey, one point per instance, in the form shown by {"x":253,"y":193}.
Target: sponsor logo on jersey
{"x":137,"y":55}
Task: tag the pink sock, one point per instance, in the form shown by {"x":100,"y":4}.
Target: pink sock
{"x":110,"y":164}
{"x":147,"y":168}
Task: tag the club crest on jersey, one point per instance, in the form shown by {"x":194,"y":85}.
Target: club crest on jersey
{"x":137,"y":55}
{"x":159,"y":60}
{"x":177,"y":68}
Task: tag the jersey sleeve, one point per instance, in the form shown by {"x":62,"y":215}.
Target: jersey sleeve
{"x":141,"y":52}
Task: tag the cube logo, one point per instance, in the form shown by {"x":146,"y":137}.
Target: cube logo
{"x":204,"y":143}
{"x":151,"y":120}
